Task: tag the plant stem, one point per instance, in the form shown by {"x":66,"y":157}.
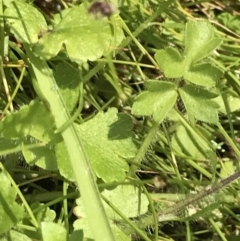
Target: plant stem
{"x":176,"y":208}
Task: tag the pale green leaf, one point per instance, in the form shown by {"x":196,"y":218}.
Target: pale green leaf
{"x":170,"y":62}
{"x":84,"y":37}
{"x":136,"y":205}
{"x":14,"y":235}
{"x":53,"y":231}
{"x":25,"y":21}
{"x":200,"y":40}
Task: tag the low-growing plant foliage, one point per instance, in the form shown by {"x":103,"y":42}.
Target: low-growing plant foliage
{"x":116,"y":123}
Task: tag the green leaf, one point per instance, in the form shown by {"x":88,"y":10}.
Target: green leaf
{"x":76,"y":235}
{"x":189,"y":146}
{"x":204,"y":74}
{"x":35,"y":120}
{"x":109,"y":141}
{"x":13,"y":235}
{"x":68,"y":80}
{"x":8,"y":145}
{"x":200,"y":40}
{"x":158,"y":100}
{"x":53,"y":231}
{"x":44,"y":214}
{"x":63,"y":162}
{"x":42,"y":156}
{"x":25,"y":21}
{"x":230,"y":21}
{"x":10,"y":211}
{"x":200,"y":104}
{"x":84,"y":37}
{"x":233,"y":101}
{"x":170,"y":62}
{"x":118,"y":197}
{"x":130,"y":208}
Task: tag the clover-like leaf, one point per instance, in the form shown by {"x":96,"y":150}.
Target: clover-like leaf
{"x":170,"y":62}
{"x":84,"y":37}
{"x":200,"y":104}
{"x":200,"y":40}
{"x":204,"y":74}
{"x":25,"y":20}
{"x":158,"y":100}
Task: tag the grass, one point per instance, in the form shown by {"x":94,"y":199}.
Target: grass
{"x":122,"y":127}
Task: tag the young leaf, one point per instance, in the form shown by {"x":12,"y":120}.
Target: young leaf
{"x":200,"y":104}
{"x":10,"y":211}
{"x":25,"y":20}
{"x":84,"y":37}
{"x":158,"y":100}
{"x":200,"y":40}
{"x":204,"y":74}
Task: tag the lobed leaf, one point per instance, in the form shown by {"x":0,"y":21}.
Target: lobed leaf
{"x":158,"y":100}
{"x":200,"y":40}
{"x":204,"y":74}
{"x":84,"y":37}
{"x":200,"y":104}
{"x":108,"y":141}
{"x":25,"y":20}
